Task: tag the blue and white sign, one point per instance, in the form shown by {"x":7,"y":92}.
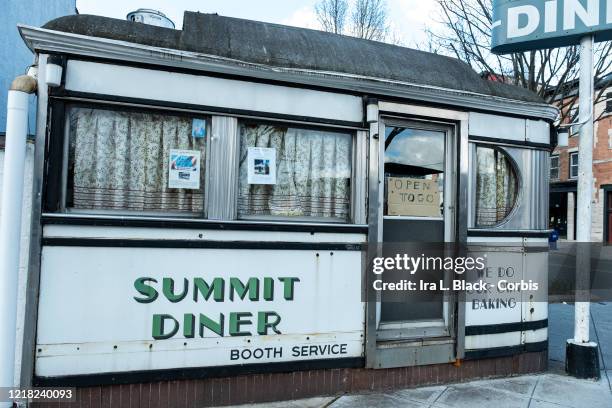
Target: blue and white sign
{"x":523,"y":25}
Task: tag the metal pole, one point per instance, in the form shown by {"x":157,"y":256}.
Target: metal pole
{"x":585,"y":191}
{"x":582,"y":355}
{"x":10,"y":230}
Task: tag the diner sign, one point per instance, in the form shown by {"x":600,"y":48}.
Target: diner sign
{"x":136,"y":309}
{"x":523,"y":25}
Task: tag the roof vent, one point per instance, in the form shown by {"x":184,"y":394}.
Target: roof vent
{"x":151,"y":17}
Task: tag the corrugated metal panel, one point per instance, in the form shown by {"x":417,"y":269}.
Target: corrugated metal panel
{"x":223,"y":164}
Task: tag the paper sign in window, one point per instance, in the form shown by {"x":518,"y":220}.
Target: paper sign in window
{"x":261,"y":165}
{"x":413,"y":197}
{"x":184,"y":169}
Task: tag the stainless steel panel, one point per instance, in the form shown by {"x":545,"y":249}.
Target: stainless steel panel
{"x":359,"y":183}
{"x":538,"y":131}
{"x":222,"y":169}
{"x":31,"y":298}
{"x":374,"y":236}
{"x":500,"y":127}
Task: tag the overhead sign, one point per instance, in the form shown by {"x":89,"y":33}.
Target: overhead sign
{"x":413,"y":197}
{"x":114,"y":310}
{"x":522,"y":25}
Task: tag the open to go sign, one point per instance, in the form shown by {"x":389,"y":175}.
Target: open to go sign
{"x":413,"y":197}
{"x":521,"y":25}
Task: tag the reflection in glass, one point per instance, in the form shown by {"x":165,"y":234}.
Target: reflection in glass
{"x":414,"y":172}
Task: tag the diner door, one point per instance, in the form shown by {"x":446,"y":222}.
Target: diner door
{"x":419,"y":195}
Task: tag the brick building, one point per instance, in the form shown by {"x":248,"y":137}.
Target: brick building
{"x":564,"y":175}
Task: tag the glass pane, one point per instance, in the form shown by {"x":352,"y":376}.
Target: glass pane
{"x":496,"y":186}
{"x":574,"y":165}
{"x":414,"y":172}
{"x":311,"y":175}
{"x":121,"y":160}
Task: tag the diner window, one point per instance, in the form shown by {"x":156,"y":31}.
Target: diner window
{"x":573,"y":165}
{"x":496,"y":186}
{"x":297,"y":173}
{"x":146,"y":162}
{"x":554,"y":167}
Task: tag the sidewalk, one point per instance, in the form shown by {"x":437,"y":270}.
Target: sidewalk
{"x":553,"y":389}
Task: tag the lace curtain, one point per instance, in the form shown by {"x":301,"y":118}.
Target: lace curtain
{"x":496,"y":187}
{"x":313,"y":171}
{"x":119,"y":161}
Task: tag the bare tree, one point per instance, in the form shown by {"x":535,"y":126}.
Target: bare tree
{"x":552,"y":73}
{"x":332,"y":15}
{"x":366,"y":19}
{"x":369,"y":20}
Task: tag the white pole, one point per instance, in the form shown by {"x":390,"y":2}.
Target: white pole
{"x":585,"y":191}
{"x":10,"y":230}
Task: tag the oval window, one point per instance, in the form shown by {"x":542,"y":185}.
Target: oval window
{"x":496,"y":186}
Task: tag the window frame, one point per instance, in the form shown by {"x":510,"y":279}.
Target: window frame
{"x":64,"y":209}
{"x":557,"y":167}
{"x":474,"y":177}
{"x":358,"y":145}
{"x":57,"y":162}
{"x":572,"y":166}
{"x":574,"y":113}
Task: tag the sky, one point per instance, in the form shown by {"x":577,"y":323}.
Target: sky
{"x":407,"y":18}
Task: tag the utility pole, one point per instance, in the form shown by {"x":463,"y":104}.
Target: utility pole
{"x":582,"y":355}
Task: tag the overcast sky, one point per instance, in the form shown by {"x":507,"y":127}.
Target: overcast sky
{"x":407,"y":18}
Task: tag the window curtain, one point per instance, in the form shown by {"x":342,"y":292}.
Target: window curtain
{"x":120,"y":161}
{"x":496,"y":187}
{"x":313,"y":171}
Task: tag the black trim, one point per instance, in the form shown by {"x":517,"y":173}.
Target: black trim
{"x":180,"y":243}
{"x":195,"y":373}
{"x":518,"y":143}
{"x":508,"y":234}
{"x":505,"y":327}
{"x":202,"y":224}
{"x":92,"y":97}
{"x":607,"y":188}
{"x":506,"y":351}
{"x":54,"y":156}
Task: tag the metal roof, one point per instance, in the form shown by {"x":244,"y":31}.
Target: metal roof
{"x":276,"y":45}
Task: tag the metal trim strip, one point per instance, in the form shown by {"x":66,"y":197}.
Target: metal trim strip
{"x":39,"y":39}
{"x":189,"y":244}
{"x":150,"y":222}
{"x":505,"y":327}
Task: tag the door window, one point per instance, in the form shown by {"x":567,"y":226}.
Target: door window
{"x":414,"y":172}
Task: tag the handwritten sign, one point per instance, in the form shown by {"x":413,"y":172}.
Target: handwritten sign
{"x":413,"y":197}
